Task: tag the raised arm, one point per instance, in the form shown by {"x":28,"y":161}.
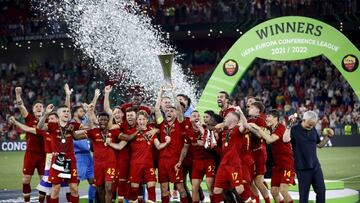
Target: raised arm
{"x":23,"y":127}
{"x":107,"y":91}
{"x":20,"y":103}
{"x":68,"y":93}
{"x":96,"y":97}
{"x":179,"y":108}
{"x":243,"y":119}
{"x":158,"y":116}
{"x":48,"y":110}
{"x":287,"y":134}
{"x":91,"y":115}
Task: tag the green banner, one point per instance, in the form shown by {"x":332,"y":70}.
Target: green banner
{"x":282,"y":39}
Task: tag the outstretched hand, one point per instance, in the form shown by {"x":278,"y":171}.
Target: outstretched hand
{"x":67,"y":89}
{"x":177,"y":166}
{"x":12,"y":120}
{"x":167,"y":139}
{"x":108,"y":141}
{"x":49,"y":108}
{"x":91,"y":107}
{"x":18,"y":90}
{"x":108,"y":89}
{"x":97,"y":93}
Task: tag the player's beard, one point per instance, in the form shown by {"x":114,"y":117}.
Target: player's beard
{"x":220,"y":103}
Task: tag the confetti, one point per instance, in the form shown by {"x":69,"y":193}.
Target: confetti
{"x":120,"y":39}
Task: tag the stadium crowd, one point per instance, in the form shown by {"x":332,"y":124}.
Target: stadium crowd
{"x":289,"y":86}
{"x":17,"y":18}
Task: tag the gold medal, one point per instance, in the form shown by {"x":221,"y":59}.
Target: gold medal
{"x":226,"y":144}
{"x":148,"y":142}
{"x":63,"y":140}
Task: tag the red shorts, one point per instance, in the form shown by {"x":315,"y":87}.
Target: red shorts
{"x":104,"y":172}
{"x":53,"y":173}
{"x":248,"y":170}
{"x":34,"y":160}
{"x":228,"y":177}
{"x":203,"y":167}
{"x":187,"y":164}
{"x":279,"y":176}
{"x":141,"y":172}
{"x":167,"y":171}
{"x":260,"y":157}
{"x":123,"y":167}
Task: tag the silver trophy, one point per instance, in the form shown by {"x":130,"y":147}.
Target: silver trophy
{"x":166,"y":63}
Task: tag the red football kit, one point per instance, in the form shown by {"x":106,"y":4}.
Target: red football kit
{"x":123,"y":160}
{"x":34,"y":154}
{"x":141,"y":107}
{"x":104,"y":156}
{"x":259,"y":147}
{"x":142,"y":163}
{"x":187,"y":163}
{"x":247,"y":157}
{"x":62,"y":141}
{"x":169,"y":156}
{"x":47,"y":139}
{"x":203,"y":162}
{"x":124,"y":155}
{"x":283,"y":170}
{"x":224,"y":113}
{"x":229,"y":173}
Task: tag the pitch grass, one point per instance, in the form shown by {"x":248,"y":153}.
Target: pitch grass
{"x":337,"y":163}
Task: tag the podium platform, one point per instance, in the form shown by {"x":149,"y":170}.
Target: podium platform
{"x":335,"y":193}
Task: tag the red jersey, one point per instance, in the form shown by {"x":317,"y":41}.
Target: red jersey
{"x":231,"y":142}
{"x":47,"y":139}
{"x":115,"y":138}
{"x":282,"y":151}
{"x":141,"y":149}
{"x":102,"y":152}
{"x":175,"y":131}
{"x":33,"y":143}
{"x":224,"y":113}
{"x":246,"y":150}
{"x":197,"y":152}
{"x":128,"y":105}
{"x":58,"y":134}
{"x":125,"y":128}
{"x":257,"y":142}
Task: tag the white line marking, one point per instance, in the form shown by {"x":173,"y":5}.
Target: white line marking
{"x":351,"y":177}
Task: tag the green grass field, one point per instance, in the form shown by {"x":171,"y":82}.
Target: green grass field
{"x":337,"y":163}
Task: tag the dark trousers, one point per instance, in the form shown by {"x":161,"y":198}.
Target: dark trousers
{"x":312,"y":177}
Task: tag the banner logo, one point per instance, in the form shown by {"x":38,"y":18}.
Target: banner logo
{"x":350,"y":63}
{"x":230,"y":67}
